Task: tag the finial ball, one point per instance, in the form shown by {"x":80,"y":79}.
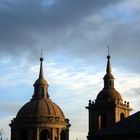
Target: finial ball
{"x":108,"y":57}
{"x":41,"y":59}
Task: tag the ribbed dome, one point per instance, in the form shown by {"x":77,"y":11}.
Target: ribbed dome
{"x":40,"y":108}
{"x":40,"y":105}
{"x":41,"y":81}
{"x":108,"y":94}
{"x":40,"y":118}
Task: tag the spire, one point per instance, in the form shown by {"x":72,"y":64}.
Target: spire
{"x":41,"y":75}
{"x":108,"y":78}
{"x":41,"y":85}
{"x":108,"y":68}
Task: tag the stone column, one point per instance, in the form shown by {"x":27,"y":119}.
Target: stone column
{"x":37,"y":133}
{"x":59,"y":132}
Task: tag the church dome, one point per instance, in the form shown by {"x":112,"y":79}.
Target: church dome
{"x":40,"y":105}
{"x":40,"y":118}
{"x":108,"y":94}
{"x":40,"y":108}
{"x":41,"y":81}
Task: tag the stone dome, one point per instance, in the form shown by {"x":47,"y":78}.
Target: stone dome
{"x":41,"y":81}
{"x":108,"y":94}
{"x":40,"y":105}
{"x":40,"y":118}
{"x":40,"y":108}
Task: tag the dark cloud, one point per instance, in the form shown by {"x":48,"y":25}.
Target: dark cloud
{"x":23,"y":23}
{"x":75,"y":29}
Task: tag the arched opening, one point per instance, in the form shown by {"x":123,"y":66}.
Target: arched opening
{"x":23,"y":135}
{"x":122,"y":116}
{"x":42,"y":91}
{"x":44,"y":135}
{"x":102,"y":121}
{"x":63,"y":135}
{"x":110,"y":83}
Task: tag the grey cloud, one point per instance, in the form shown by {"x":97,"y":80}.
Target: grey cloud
{"x":75,"y":29}
{"x":23,"y":23}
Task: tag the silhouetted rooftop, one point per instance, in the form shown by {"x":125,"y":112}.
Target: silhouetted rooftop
{"x":130,"y":125}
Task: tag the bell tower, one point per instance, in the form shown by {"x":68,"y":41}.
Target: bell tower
{"x":109,"y":107}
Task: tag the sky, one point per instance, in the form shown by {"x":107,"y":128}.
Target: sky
{"x":73,"y":35}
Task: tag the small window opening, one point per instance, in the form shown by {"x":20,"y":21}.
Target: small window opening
{"x":122,"y":116}
{"x":102,"y":121}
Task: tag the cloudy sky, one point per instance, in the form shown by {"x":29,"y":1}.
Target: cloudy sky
{"x":74,"y":35}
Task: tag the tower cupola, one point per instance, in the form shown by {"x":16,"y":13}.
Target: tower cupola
{"x":108,"y":78}
{"x":109,"y":93}
{"x":41,"y":85}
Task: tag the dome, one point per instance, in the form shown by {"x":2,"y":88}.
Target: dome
{"x":40,"y":118}
{"x":108,"y":94}
{"x":41,"y":81}
{"x":40,"y":108}
{"x":40,"y":105}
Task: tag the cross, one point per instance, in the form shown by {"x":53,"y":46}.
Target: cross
{"x":108,"y":49}
{"x":41,"y":52}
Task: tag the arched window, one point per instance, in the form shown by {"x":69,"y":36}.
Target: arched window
{"x":102,"y":121}
{"x":63,"y":135}
{"x":55,"y":138}
{"x":42,"y":91}
{"x":110,"y":83}
{"x":122,"y":116}
{"x":44,"y":135}
{"x":23,"y":135}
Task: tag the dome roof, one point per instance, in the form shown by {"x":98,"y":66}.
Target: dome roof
{"x":40,"y":108}
{"x":40,"y":105}
{"x":108,"y":94}
{"x":41,"y":81}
